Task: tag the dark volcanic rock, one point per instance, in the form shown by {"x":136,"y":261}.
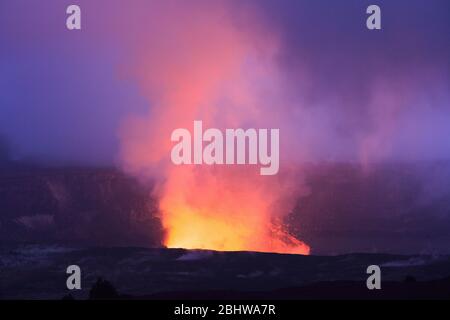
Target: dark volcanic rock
{"x":70,"y":205}
{"x":39,"y":272}
{"x":395,"y":208}
{"x":392,"y":208}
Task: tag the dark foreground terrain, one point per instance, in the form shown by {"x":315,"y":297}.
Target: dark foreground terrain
{"x":99,"y":218}
{"x":39,"y":272}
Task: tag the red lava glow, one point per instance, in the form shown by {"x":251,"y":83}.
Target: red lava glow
{"x":219,"y":210}
{"x":203,"y":64}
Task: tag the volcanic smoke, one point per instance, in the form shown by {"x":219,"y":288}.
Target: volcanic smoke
{"x":215,"y":68}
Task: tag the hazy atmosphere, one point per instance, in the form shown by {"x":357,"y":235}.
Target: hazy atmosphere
{"x":376,"y":97}
{"x":363,"y":116}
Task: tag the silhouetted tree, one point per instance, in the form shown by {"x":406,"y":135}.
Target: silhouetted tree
{"x":103,"y":290}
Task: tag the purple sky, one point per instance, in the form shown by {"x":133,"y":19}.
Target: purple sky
{"x":377,"y":95}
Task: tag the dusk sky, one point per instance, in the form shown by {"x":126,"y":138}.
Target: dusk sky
{"x":112,"y":93}
{"x":353,"y":94}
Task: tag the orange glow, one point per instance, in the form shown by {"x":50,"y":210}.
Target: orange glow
{"x":226,"y":209}
{"x":192,"y":230}
{"x":199,"y":64}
